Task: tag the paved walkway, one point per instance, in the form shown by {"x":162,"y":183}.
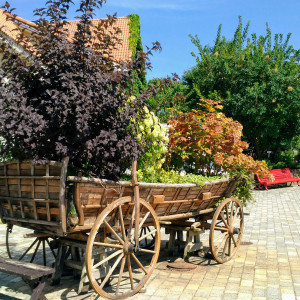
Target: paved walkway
{"x":267,"y":265}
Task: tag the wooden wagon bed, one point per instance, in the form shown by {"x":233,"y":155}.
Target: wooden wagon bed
{"x":170,"y":201}
{"x":34,"y":196}
{"x":115,"y":224}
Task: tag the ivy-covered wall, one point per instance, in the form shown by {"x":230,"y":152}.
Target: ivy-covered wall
{"x":135,"y":41}
{"x":135,"y":45}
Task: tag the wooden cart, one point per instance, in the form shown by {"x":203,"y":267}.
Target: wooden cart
{"x":117,"y":224}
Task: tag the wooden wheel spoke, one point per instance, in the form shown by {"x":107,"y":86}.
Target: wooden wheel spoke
{"x":28,"y":249}
{"x":131,"y":225}
{"x":130,"y":271}
{"x":53,"y":253}
{"x":235,"y":215}
{"x":111,"y":270}
{"x":35,"y":251}
{"x":107,"y":259}
{"x":44,"y":253}
{"x":144,"y":219}
{"x":142,"y":231}
{"x":227,"y":213}
{"x":122,"y":223}
{"x":147,"y":251}
{"x":224,"y":249}
{"x":221,"y":228}
{"x":147,"y":234}
{"x":139,"y":263}
{"x":231,"y":213}
{"x":113,"y":232}
{"x":235,"y":244}
{"x":121,"y":274}
{"x":107,"y":245}
{"x":220,"y":236}
{"x":223,"y":220}
{"x":224,"y":245}
{"x":149,"y":231}
{"x":229,"y":246}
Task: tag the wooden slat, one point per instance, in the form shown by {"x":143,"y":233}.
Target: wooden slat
{"x":40,"y":222}
{"x":122,"y":191}
{"x":37,"y":189}
{"x":184,"y":200}
{"x":19,"y":181}
{"x":30,"y":177}
{"x":62,"y":204}
{"x":33,"y":192}
{"x":77,"y":203}
{"x":47,"y":182}
{"x":6,"y":181}
{"x":27,"y":181}
{"x":27,"y":270}
{"x":40,"y":210}
{"x":178,"y":191}
{"x":7,"y":192}
{"x":186,"y":215}
{"x":22,"y":209}
{"x":29,"y":199}
{"x":47,"y":194}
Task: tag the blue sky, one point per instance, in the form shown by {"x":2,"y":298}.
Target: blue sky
{"x":171,"y":21}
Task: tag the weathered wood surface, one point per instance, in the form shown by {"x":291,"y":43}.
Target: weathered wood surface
{"x":29,"y":271}
{"x":35,"y":194}
{"x":32,"y":195}
{"x":170,"y":201}
{"x":34,"y":275}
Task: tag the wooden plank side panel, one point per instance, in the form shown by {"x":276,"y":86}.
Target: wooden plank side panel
{"x":24,"y":198}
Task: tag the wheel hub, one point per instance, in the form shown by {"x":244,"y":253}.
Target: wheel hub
{"x":132,"y":248}
{"x":236,"y":230}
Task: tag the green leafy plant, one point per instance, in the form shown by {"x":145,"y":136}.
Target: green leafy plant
{"x":168,"y":94}
{"x":153,"y":134}
{"x":68,"y":97}
{"x":257,"y":78}
{"x":207,"y":142}
{"x":172,"y":176}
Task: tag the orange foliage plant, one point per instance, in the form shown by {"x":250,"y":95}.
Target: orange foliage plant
{"x":205,"y":141}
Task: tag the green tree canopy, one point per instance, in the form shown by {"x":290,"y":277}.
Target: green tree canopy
{"x":257,"y":78}
{"x":167,"y":93}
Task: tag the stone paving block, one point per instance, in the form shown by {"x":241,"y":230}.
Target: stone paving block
{"x":288,"y":297}
{"x":269,"y":268}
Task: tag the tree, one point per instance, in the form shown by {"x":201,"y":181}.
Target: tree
{"x":258,"y":80}
{"x":70,"y":98}
{"x":167,"y":93}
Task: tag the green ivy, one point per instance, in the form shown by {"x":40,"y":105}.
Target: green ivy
{"x":135,"y":41}
{"x":135,"y":45}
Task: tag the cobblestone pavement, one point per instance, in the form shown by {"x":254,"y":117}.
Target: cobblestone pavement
{"x":266,"y":266}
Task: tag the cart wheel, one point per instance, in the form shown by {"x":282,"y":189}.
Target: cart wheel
{"x":226,"y":230}
{"x":121,"y":270}
{"x":149,"y":241}
{"x":36,"y":247}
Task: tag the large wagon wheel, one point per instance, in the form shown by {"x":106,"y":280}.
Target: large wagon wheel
{"x":226,"y":230}
{"x":34,"y":247}
{"x":123,"y":269}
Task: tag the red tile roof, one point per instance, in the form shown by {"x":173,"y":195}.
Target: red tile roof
{"x":9,"y":28}
{"x":121,"y":53}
